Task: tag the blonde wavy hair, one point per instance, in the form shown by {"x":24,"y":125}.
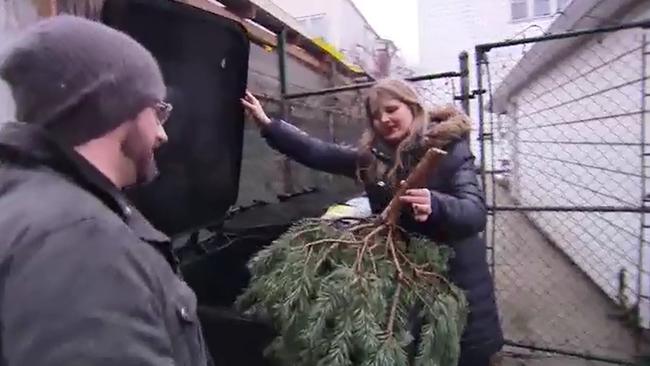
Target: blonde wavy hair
{"x":399,"y":90}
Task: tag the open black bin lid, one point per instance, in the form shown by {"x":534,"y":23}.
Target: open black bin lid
{"x":204,"y":59}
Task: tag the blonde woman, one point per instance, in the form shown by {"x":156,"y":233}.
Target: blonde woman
{"x":450,"y":209}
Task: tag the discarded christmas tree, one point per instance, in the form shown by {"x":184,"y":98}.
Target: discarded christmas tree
{"x":341,"y":294}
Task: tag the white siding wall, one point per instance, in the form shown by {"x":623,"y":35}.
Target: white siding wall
{"x":346,"y":28}
{"x":300,"y":8}
{"x":330,"y":10}
{"x":592,"y":173}
{"x":448,"y":27}
{"x":356,"y":39}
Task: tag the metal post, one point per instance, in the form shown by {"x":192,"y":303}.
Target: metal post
{"x":287,"y":176}
{"x":643,"y":224}
{"x":463,"y":59}
{"x":332,"y":79}
{"x":480,"y":57}
{"x":480,"y":60}
{"x":330,"y":115}
{"x":493,"y":184}
{"x":282,"y":63}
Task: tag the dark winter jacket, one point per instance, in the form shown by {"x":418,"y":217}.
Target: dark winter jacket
{"x":459,"y":215}
{"x":85,"y":279}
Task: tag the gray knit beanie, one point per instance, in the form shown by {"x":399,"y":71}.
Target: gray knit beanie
{"x":78,"y":78}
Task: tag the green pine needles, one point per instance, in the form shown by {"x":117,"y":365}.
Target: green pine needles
{"x":349,"y":294}
{"x":342,"y":294}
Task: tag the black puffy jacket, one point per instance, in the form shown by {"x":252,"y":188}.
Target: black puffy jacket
{"x":459,"y":201}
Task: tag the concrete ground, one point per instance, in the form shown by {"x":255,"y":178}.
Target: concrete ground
{"x":546,"y":301}
{"x":547,"y":360}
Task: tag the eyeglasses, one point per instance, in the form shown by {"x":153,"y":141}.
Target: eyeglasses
{"x":163,"y":110}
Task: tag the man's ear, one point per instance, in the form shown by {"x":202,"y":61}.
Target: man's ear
{"x":123,"y":130}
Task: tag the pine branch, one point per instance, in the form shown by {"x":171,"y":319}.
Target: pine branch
{"x":417,"y":178}
{"x":393,"y":310}
{"x":333,"y":241}
{"x":329,"y":301}
{"x":366,"y":245}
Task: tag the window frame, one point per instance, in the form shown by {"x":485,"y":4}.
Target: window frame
{"x":530,"y":7}
{"x":562,"y":4}
{"x":514,"y":3}
{"x":535,"y":5}
{"x":313,"y":21}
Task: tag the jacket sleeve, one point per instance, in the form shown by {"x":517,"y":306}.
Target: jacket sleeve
{"x":461,"y":211}
{"x":92,"y":304}
{"x":310,"y":151}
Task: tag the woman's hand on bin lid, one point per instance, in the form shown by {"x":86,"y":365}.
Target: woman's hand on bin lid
{"x":253,"y":106}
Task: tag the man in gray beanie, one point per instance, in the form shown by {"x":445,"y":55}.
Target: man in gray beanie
{"x":86,"y":280}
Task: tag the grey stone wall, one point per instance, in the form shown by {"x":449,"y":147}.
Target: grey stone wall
{"x":331,"y":118}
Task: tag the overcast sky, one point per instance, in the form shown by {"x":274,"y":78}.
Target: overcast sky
{"x":396,"y":20}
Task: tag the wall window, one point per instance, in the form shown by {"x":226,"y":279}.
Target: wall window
{"x":541,"y":7}
{"x":519,"y":9}
{"x":530,"y":9}
{"x":369,"y":39}
{"x":561,"y":4}
{"x":316,"y":25}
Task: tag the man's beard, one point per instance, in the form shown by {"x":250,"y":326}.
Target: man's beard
{"x":135,"y":149}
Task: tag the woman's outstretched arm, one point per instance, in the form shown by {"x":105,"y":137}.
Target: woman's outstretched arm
{"x":299,"y":146}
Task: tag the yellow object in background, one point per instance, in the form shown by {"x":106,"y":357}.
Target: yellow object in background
{"x":339,"y":211}
{"x":336,"y":54}
{"x":358,"y":207}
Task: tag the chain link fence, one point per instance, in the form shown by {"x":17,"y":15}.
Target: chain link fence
{"x":562,"y":125}
{"x":334,"y":115}
{"x":338,"y":115}
{"x":563,"y":159}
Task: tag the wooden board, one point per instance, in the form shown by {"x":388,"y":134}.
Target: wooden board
{"x":263,"y":37}
{"x":320,"y":62}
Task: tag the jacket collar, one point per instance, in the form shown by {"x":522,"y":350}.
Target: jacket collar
{"x":387,"y":154}
{"x":27,"y":142}
{"x":383,"y":152}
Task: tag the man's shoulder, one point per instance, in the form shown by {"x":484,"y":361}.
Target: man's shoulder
{"x":39,"y":202}
{"x":47,"y":218}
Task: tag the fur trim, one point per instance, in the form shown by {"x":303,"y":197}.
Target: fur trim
{"x":447,"y":124}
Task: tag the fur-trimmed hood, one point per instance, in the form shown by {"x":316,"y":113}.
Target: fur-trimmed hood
{"x":447,"y":125}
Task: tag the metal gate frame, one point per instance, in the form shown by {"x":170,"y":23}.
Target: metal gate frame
{"x":484,"y":137}
{"x":487,"y":176}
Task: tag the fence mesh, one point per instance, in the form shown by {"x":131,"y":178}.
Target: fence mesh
{"x":341,"y":118}
{"x":564,"y":150}
{"x":337,"y":117}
